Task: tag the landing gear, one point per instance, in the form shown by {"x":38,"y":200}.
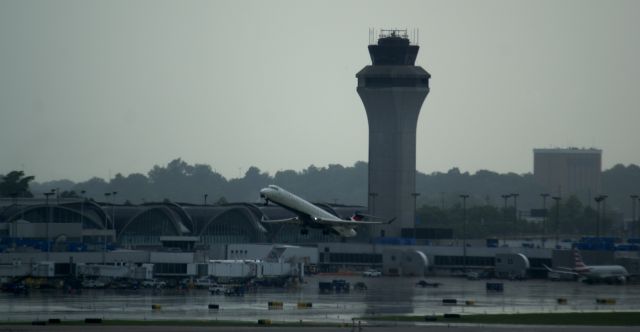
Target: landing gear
{"x":304,"y":231}
{"x":266,"y":200}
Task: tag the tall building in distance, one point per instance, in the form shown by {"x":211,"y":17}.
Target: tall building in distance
{"x":392,"y":90}
{"x":569,"y":171}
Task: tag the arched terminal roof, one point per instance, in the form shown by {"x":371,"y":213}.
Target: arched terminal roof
{"x":176,"y":219}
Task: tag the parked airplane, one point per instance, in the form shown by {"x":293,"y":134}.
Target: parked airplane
{"x":593,"y":273}
{"x":311,"y":216}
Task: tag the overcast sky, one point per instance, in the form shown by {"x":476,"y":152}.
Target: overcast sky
{"x":94,"y":88}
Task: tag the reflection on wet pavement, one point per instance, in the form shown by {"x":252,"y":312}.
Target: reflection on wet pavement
{"x":384,"y":296}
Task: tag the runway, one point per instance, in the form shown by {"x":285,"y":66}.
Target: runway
{"x":384,"y":296}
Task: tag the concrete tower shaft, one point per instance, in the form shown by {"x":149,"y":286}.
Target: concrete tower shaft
{"x":392,"y":91}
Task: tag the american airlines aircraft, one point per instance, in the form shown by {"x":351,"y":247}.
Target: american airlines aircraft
{"x":593,"y":273}
{"x":311,"y":216}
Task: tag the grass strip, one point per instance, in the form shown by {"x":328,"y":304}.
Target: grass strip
{"x":108,"y":322}
{"x":569,"y":318}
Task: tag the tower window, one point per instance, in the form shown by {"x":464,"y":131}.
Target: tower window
{"x":385,"y":82}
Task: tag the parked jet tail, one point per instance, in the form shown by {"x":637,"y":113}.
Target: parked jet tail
{"x":579,"y":265}
{"x":593,"y":273}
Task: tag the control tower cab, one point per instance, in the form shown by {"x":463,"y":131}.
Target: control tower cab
{"x":392,"y":90}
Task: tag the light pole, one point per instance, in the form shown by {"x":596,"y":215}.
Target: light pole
{"x":415,"y":198}
{"x":105,"y":229}
{"x":515,"y":205}
{"x":598,"y":199}
{"x":205,"y":198}
{"x":82,"y":192}
{"x":604,"y":213}
{"x":638,"y":224}
{"x":464,"y":231}
{"x":505,"y":197}
{"x":48,"y":221}
{"x":634,"y":225}
{"x":113,"y":215}
{"x":544,"y":208}
{"x":557,"y":227}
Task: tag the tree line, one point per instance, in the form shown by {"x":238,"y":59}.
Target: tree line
{"x":567,"y":217}
{"x":180,"y":181}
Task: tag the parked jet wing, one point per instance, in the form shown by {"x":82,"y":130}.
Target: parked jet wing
{"x":562,"y":270}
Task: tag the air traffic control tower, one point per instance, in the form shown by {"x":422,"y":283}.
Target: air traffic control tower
{"x":392,"y":90}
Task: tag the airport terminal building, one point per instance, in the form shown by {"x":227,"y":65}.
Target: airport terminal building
{"x":80,"y":224}
{"x":177,"y":238}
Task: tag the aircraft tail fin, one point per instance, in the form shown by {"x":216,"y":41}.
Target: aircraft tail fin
{"x":578,"y":263}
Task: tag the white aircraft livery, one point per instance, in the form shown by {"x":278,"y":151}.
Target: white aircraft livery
{"x":593,"y":273}
{"x":311,"y":216}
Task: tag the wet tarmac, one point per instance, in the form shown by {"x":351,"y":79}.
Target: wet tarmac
{"x":384,"y":296}
{"x":390,"y":328}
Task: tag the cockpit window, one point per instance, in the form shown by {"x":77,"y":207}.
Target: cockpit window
{"x":274,"y":187}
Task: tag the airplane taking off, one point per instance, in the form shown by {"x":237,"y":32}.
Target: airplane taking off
{"x":593,"y":273}
{"x":311,"y":216}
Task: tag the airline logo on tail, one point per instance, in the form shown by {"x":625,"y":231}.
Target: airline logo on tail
{"x":579,"y":266}
{"x":357,"y":217}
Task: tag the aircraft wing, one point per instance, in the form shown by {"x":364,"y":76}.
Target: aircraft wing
{"x":350,"y":223}
{"x":366,"y":216}
{"x":294,"y":220}
{"x":561,"y":270}
{"x":567,"y":269}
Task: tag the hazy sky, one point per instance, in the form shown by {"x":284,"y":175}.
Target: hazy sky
{"x":100,"y":87}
